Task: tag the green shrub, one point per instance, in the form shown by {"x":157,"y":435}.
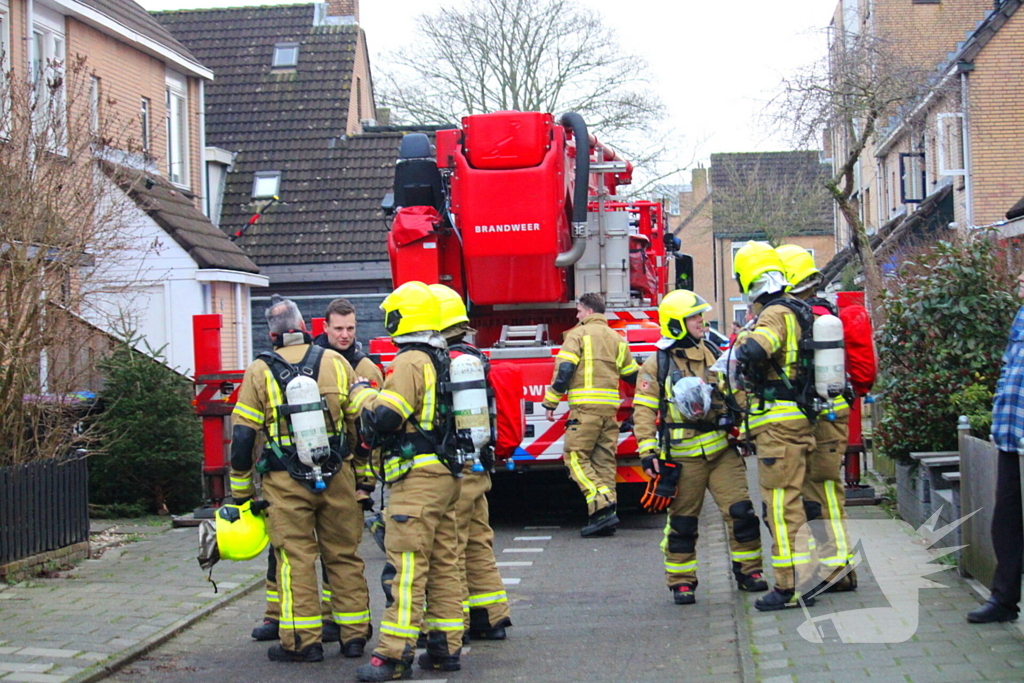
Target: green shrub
{"x":949,"y":312}
{"x":151,"y":443}
{"x":975,"y":401}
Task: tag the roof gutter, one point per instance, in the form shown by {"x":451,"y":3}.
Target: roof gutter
{"x":109,"y":25}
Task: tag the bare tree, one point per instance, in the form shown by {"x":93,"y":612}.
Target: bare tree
{"x":754,"y":197}
{"x":59,"y":233}
{"x":852,"y":94}
{"x":528,"y":55}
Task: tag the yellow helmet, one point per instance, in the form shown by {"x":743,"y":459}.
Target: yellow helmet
{"x":753,"y":260}
{"x":675,"y":308}
{"x":453,"y":310}
{"x":413,"y":307}
{"x":798,"y":262}
{"x":241,"y":534}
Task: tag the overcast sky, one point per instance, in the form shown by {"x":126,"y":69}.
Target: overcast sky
{"x":714,"y":64}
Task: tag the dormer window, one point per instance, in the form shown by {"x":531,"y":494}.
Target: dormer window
{"x":286,"y":55}
{"x":266,"y":184}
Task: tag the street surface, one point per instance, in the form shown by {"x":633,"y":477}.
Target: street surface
{"x":598,"y":611}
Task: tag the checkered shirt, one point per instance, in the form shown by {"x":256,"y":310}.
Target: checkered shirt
{"x":1008,"y":409}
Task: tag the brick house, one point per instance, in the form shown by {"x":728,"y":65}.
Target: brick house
{"x":149,"y":83}
{"x":292,"y":111}
{"x":953,"y":160}
{"x":714,"y":220}
{"x":925,"y":31}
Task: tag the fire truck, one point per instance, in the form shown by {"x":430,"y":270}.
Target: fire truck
{"x":519,"y":212}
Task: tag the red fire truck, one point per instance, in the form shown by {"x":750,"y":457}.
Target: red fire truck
{"x":520,"y":214}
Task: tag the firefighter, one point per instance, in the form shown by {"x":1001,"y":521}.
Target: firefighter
{"x":589,"y":366}
{"x":340,"y":336}
{"x":823,"y":491}
{"x":483,"y":594}
{"x":777,"y":424}
{"x":409,"y":419}
{"x":312,"y":510}
{"x":695,"y":446}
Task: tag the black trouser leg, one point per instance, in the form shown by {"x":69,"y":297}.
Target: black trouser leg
{"x":1008,"y":531}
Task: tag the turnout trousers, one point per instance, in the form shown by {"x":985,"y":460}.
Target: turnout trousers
{"x":484,"y":601}
{"x":422,"y":545}
{"x":273,"y":610}
{"x":825,"y":494}
{"x":591,"y":442}
{"x":783,"y":449}
{"x":724,"y":474}
{"x":303,"y":526}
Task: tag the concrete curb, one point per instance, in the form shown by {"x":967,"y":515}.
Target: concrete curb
{"x":120,"y":659}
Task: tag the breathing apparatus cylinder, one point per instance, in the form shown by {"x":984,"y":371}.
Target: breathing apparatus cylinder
{"x":829,"y":362}
{"x":472,"y":411}
{"x":309,"y":429}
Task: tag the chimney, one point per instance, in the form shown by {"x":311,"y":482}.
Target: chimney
{"x":699,"y":183}
{"x":343,"y":8}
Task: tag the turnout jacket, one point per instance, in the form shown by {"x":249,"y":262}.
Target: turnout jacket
{"x":257,"y":408}
{"x":682,"y":441}
{"x":588,"y":367}
{"x":775,"y":335}
{"x":362,"y":366}
{"x":409,"y":394}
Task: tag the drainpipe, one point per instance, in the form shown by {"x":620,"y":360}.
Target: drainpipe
{"x":204,"y":179}
{"x":965,"y":135}
{"x":239,"y":329}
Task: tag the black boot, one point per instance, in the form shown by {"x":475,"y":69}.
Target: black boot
{"x":384,"y":669}
{"x":310,"y":653}
{"x":600,"y":521}
{"x":481,"y":629}
{"x":991,"y":612}
{"x":436,"y":658}
{"x":268,"y":630}
{"x":752,"y":583}
{"x":330,"y":632}
{"x":684,"y":594}
{"x":780,"y":599}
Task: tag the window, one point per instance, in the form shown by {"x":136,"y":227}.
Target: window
{"x":912,"y":179}
{"x":5,"y":41}
{"x":266,"y":184}
{"x":47,"y":54}
{"x":177,"y":129}
{"x":144,"y":124}
{"x":286,"y":55}
{"x":950,"y":131}
{"x":94,"y":105}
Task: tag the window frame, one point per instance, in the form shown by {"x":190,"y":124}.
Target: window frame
{"x":279,"y":50}
{"x":942,"y":129}
{"x":145,"y":124}
{"x":266,"y":175}
{"x":177,"y":129}
{"x":906,"y":172}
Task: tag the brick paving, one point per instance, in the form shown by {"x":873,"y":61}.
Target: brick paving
{"x":944,"y":647}
{"x":55,"y":630}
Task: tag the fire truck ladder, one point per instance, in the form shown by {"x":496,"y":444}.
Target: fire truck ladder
{"x":523,"y":335}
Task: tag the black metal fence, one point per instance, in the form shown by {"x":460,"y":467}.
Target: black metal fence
{"x":43,"y":506}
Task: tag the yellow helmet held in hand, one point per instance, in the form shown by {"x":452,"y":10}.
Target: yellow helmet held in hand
{"x":241,"y":534}
{"x":675,"y":308}
{"x":413,"y":307}
{"x":798,"y":262}
{"x":753,"y":260}
{"x":453,"y":310}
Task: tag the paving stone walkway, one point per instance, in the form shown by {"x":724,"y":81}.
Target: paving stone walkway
{"x":939,"y":647}
{"x":61,"y":629}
